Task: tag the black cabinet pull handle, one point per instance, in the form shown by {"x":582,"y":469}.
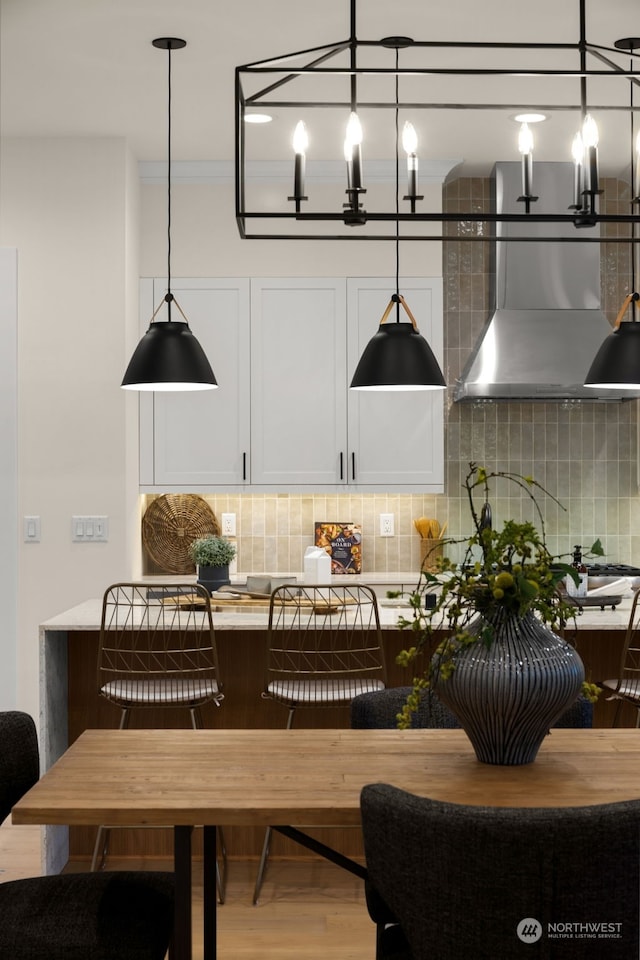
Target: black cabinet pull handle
{"x":244,"y":466}
{"x":353,"y":465}
{"x":341,"y":466}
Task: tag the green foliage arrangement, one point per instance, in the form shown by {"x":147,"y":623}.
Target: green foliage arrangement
{"x":516,"y":574}
{"x":212,"y":551}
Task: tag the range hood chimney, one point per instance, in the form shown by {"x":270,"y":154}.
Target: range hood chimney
{"x":546,"y":324}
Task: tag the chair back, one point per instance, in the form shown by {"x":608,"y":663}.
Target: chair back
{"x":462,"y":879}
{"x":157,"y":645}
{"x":379,"y":710}
{"x":19,"y":758}
{"x":630,"y":657}
{"x":325,"y":644}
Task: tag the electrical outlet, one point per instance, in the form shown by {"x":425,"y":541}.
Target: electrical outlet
{"x":228,"y":524}
{"x":387,"y":526}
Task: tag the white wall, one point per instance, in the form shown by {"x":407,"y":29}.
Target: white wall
{"x":71,"y":209}
{"x":8,"y":477}
{"x":206,"y":242}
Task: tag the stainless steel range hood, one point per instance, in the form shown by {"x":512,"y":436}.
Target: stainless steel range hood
{"x":546,"y":325}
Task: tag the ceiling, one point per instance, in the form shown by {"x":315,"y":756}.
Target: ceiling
{"x":87,"y":68}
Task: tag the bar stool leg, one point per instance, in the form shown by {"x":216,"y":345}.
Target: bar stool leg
{"x":267,"y":834}
{"x":262,"y":865}
{"x":101,"y":846}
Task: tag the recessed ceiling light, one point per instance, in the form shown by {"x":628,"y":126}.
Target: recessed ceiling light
{"x":532,"y":117}
{"x":257,"y":118}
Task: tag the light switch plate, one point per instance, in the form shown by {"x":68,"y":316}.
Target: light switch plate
{"x":89,"y":529}
{"x":31,"y":529}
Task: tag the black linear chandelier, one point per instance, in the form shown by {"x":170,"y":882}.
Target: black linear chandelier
{"x":350,"y":78}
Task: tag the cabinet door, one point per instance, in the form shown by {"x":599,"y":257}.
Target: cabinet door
{"x":395,"y":438}
{"x":298,"y":372}
{"x":201,"y":438}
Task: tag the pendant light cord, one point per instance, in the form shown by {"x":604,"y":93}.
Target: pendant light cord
{"x":169,"y":297}
{"x":397,"y":111}
{"x":634,"y":189}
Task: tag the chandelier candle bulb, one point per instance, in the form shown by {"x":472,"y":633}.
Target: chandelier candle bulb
{"x":300,"y":144}
{"x":353,"y":150}
{"x":349,"y":162}
{"x":410,"y":145}
{"x":577,"y":150}
{"x":525,"y":146}
{"x":412,"y":171}
{"x":590,"y":140}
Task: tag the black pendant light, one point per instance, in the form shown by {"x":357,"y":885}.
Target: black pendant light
{"x":617,"y":362}
{"x":398,"y":357}
{"x":169,"y":357}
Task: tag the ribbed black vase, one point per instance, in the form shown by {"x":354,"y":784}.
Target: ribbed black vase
{"x":508,"y":694}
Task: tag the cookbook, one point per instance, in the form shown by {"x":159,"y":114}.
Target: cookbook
{"x":343,"y":543}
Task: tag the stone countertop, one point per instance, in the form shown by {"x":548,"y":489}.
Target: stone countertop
{"x":86,"y":616}
{"x":406,"y":578}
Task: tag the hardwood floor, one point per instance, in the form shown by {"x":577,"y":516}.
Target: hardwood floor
{"x":308,"y":910}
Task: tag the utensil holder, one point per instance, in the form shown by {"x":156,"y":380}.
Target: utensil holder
{"x":431,"y":550}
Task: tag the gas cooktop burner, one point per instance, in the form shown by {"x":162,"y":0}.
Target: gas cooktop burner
{"x":612,"y":570}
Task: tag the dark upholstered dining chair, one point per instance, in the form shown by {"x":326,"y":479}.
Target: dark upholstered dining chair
{"x":77,"y":916}
{"x":379,"y":710}
{"x":450,"y":881}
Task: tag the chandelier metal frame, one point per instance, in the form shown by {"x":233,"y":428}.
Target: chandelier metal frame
{"x":274,"y":76}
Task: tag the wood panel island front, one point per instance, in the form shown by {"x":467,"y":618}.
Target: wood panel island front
{"x":70,"y":704}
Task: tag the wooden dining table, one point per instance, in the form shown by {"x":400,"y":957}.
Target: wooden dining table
{"x":298,"y":778}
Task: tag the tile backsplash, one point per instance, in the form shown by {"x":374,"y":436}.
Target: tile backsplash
{"x":584,"y":454}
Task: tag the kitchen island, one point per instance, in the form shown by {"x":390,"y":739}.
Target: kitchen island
{"x":70,"y":703}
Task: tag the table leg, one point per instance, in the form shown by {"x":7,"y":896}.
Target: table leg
{"x":182,"y":948}
{"x":210,"y":895}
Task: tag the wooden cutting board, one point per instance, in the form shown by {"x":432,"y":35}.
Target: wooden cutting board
{"x":245,"y":602}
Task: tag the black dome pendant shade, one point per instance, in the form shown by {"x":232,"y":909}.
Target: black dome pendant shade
{"x":169,"y":357}
{"x":617,"y":362}
{"x":398,"y":358}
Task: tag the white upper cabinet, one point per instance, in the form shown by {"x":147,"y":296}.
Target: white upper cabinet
{"x":283,"y":352}
{"x":201,"y":438}
{"x":298,"y":375}
{"x":396,"y":438}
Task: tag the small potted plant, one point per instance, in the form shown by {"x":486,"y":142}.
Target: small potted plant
{"x":212,"y":556}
